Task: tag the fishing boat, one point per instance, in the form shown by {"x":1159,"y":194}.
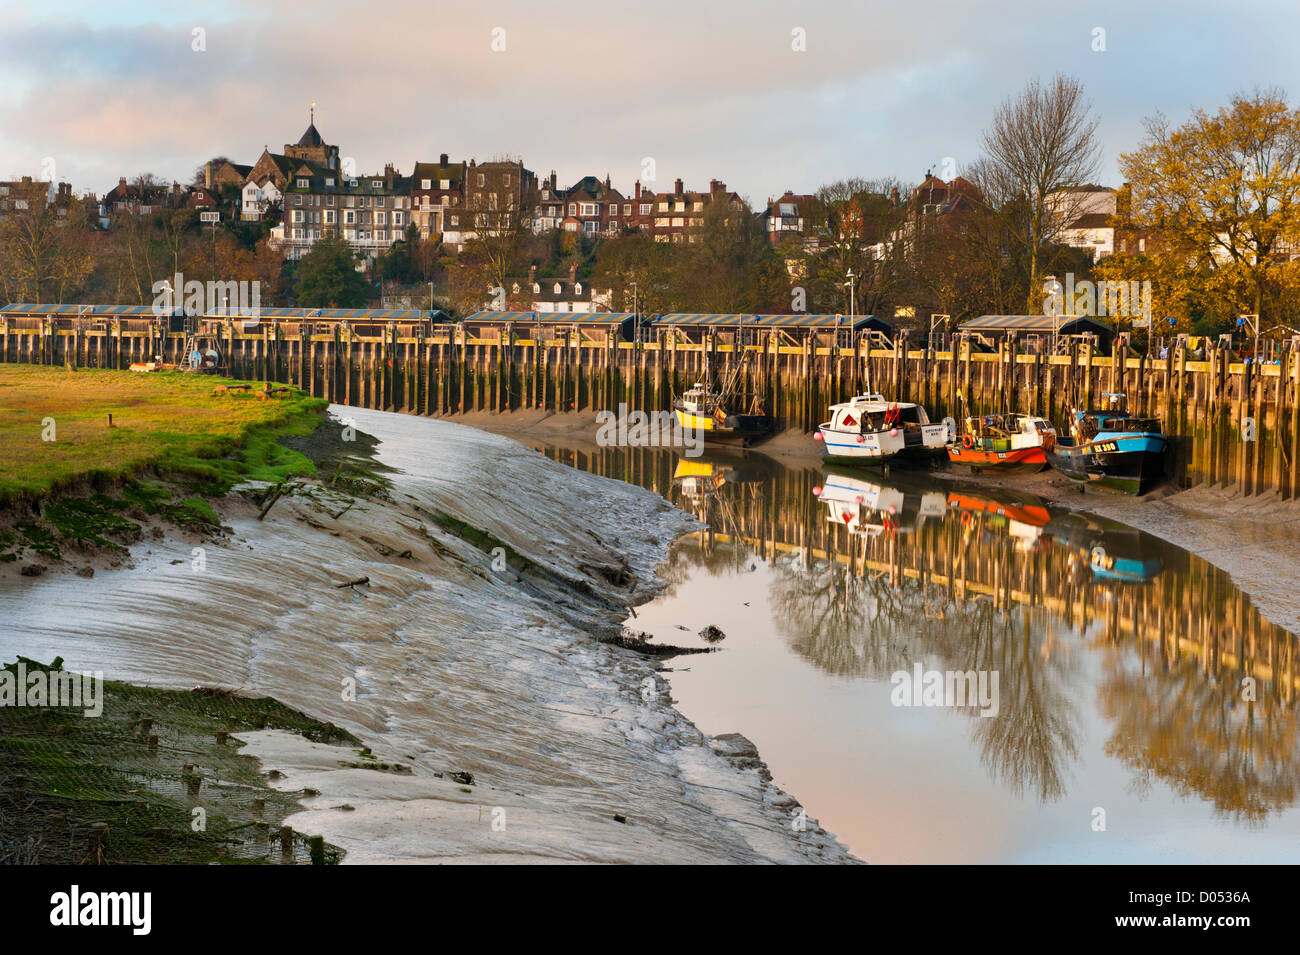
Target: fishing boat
{"x":1111,"y":448}
{"x":870,"y":430}
{"x":1005,"y":442}
{"x":720,"y":416}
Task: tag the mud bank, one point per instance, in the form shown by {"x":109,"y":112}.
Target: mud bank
{"x":465,"y":658}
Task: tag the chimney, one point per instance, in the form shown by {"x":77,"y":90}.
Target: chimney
{"x":573,"y":273}
{"x":553,"y":185}
{"x":389,"y":173}
{"x":607,"y":185}
{"x":207,"y":174}
{"x":442,"y":159}
{"x":637,"y":191}
{"x":122,"y":181}
{"x":677,"y":187}
{"x":532,"y":274}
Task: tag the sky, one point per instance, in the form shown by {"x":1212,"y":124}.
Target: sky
{"x":91,"y":90}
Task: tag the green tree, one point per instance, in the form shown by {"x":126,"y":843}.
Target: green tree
{"x":328,"y":277}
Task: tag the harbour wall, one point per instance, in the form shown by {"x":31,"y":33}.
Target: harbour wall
{"x":1230,"y":423}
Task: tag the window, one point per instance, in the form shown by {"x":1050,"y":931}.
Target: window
{"x":645,"y":208}
{"x":455,"y":220}
{"x":588,"y":209}
{"x":482,"y":180}
{"x":363,"y":201}
{"x":329,"y":217}
{"x":376,"y":184}
{"x":426,"y":183}
{"x":329,"y":180}
{"x":329,"y":200}
{"x":380,"y":218}
{"x":399,"y":219}
{"x":349,"y":217}
{"x":381,"y":236}
{"x":297,"y":233}
{"x":302,"y":183}
{"x":627,"y":208}
{"x":444,"y":184}
{"x":297,"y":215}
{"x":507,"y":179}
{"x":297,"y":198}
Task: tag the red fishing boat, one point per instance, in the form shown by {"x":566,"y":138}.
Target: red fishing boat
{"x":1004,"y":441}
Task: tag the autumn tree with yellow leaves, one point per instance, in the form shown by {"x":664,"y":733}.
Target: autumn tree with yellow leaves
{"x":1217,"y":201}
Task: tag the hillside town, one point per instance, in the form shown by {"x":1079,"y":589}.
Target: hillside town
{"x":465,"y":235}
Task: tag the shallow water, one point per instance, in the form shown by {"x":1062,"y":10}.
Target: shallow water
{"x":1124,"y":731}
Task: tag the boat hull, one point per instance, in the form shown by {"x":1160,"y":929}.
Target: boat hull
{"x":1132,"y":464}
{"x":1034,"y":458}
{"x":743,"y":428}
{"x":878,"y":448}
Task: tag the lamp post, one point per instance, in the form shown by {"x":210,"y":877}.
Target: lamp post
{"x":634,"y":308}
{"x":431,"y":299}
{"x":852,"y":294}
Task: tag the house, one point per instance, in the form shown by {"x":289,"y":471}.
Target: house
{"x":790,"y":215}
{"x":223,"y":172}
{"x":592,"y":207}
{"x":498,"y":198}
{"x":27,"y":193}
{"x":369,"y":212}
{"x":1084,"y":218}
{"x":264,"y":184}
{"x":558,"y":294}
{"x":135,"y":198}
{"x":679,"y":213}
{"x":435,"y":187}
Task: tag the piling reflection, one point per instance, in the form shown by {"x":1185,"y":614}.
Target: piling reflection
{"x":870,"y":575}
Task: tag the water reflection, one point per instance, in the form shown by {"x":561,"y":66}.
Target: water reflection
{"x":1089,"y":623}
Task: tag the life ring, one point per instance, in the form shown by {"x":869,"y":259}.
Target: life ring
{"x":967,"y":442}
{"x":965,"y":518}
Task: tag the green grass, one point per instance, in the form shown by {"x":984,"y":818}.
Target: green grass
{"x":169,"y":424}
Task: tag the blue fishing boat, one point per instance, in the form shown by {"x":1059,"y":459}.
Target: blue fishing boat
{"x":1111,"y":448}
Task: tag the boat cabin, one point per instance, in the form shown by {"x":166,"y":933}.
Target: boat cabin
{"x":866,"y":413}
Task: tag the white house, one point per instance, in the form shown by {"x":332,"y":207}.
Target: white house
{"x":256,"y":198}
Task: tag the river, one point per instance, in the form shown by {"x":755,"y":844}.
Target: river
{"x":1145,"y":711}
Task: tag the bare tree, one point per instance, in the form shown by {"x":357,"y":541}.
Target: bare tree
{"x":1041,"y":144}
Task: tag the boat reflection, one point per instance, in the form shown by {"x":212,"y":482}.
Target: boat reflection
{"x":1087,"y":622}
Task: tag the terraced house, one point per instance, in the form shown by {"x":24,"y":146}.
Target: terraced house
{"x":678,"y":213}
{"x":369,"y":212}
{"x":435,"y":187}
{"x":500,"y":197}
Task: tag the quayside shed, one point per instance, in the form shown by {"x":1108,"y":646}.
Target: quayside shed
{"x":797,"y":328}
{"x":550,"y":326}
{"x":1044,"y":334}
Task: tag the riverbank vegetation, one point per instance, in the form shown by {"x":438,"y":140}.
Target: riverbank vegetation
{"x":158,"y":768}
{"x":86,"y":455}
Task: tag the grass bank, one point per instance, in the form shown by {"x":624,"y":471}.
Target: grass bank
{"x":85,"y":455}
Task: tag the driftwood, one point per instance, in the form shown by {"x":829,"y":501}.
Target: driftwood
{"x":275,"y":494}
{"x":353,"y":583}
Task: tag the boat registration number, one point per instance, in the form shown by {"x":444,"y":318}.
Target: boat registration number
{"x":1105,"y":446}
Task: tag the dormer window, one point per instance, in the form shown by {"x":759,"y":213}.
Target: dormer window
{"x":376,"y":184}
{"x":302,"y":183}
{"x":537,"y":289}
{"x":557,"y":288}
{"x":577,"y":288}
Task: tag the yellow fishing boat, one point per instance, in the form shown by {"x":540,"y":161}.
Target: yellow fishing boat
{"x":704,"y":411}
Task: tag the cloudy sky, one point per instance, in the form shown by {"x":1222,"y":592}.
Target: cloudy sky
{"x":96,"y":89}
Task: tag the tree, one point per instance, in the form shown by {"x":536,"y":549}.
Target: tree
{"x":43,"y":252}
{"x":1040,"y":144}
{"x":328,"y":277}
{"x":1222,"y":194}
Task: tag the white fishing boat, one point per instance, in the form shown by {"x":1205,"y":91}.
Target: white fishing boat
{"x":870,"y":430}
